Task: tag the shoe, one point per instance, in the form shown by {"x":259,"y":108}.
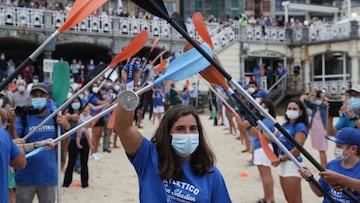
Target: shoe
{"x":243,"y":151}
{"x":95,"y":156}
{"x":107,"y":150}
{"x":85,"y":185}
{"x":238,"y":137}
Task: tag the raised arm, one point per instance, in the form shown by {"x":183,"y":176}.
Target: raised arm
{"x":129,"y":136}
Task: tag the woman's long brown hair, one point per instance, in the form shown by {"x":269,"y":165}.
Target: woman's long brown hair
{"x":169,"y":162}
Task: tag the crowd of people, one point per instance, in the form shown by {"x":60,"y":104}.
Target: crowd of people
{"x":177,"y":157}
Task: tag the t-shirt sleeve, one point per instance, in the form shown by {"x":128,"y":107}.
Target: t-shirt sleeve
{"x":301,"y":127}
{"x":14,"y":150}
{"x":142,"y":157}
{"x":219,"y":190}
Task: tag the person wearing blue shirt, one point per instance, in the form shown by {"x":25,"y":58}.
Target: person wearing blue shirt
{"x":130,"y":74}
{"x":177,"y":164}
{"x":349,"y":112}
{"x":40,"y":174}
{"x":296,"y":124}
{"x":261,"y":160}
{"x":346,"y":162}
{"x":9,"y":155}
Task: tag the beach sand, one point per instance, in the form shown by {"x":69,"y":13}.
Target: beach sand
{"x":113,"y":179}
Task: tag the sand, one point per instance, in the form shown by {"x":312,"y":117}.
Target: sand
{"x":113,"y":179}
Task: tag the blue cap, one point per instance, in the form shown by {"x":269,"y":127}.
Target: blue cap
{"x":346,"y":135}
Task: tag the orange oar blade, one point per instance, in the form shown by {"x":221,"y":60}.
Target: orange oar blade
{"x":134,"y":47}
{"x":212,"y":75}
{"x":154,"y":43}
{"x":264,"y":144}
{"x":81,"y":12}
{"x":161,"y":66}
{"x":201,"y":29}
{"x":76,"y":6}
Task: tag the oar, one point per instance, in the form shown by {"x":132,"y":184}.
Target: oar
{"x":135,"y":45}
{"x":80,"y":10}
{"x":149,"y":68}
{"x":214,"y":75}
{"x":264,"y":144}
{"x":156,"y":40}
{"x":176,"y":72}
{"x":60,"y":88}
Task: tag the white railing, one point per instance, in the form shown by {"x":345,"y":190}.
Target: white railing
{"x":35,"y":18}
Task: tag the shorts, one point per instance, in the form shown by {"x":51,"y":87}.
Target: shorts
{"x":100,"y":122}
{"x":11,"y":179}
{"x":288,"y":169}
{"x":159,"y":109}
{"x":260,"y":157}
{"x":130,"y":86}
{"x":26,"y":194}
{"x":219,"y":107}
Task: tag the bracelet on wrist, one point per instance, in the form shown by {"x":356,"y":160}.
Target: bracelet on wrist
{"x":35,"y":147}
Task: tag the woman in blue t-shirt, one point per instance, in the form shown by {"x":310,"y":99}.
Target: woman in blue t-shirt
{"x":296,"y":124}
{"x":72,"y":114}
{"x":177,"y":164}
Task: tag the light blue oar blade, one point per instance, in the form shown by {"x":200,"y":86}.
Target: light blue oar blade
{"x":34,"y":152}
{"x":185,"y":65}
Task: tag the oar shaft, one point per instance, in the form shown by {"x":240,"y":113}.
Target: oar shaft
{"x":66,"y":103}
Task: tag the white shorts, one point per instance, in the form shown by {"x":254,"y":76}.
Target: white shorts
{"x":130,"y":85}
{"x":288,"y":168}
{"x":158,"y":109}
{"x":260,"y":157}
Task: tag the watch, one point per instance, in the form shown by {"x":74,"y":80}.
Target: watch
{"x":128,"y":100}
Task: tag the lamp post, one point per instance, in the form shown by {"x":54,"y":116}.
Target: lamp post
{"x":244,"y":48}
{"x":354,"y":25}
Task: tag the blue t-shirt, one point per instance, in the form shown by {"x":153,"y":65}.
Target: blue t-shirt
{"x":40,"y":169}
{"x":269,"y":126}
{"x":9,"y":151}
{"x":209,"y":188}
{"x":344,"y":121}
{"x":131,"y":69}
{"x":158,"y":100}
{"x":335,"y":165}
{"x":93,"y":99}
{"x":292,"y":129}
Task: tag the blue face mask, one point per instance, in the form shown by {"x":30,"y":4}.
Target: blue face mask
{"x":75,"y":106}
{"x":38,"y":103}
{"x":354,"y":104}
{"x":318,"y":102}
{"x":184,"y":144}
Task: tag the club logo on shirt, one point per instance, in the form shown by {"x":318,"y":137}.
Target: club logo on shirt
{"x":180,"y":191}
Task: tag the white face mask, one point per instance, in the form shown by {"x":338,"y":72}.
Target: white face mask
{"x":291,"y":114}
{"x":258,"y":99}
{"x":21,"y":88}
{"x":95,"y":89}
{"x":184,"y":144}
{"x":339,"y":154}
{"x":251,"y":90}
{"x":318,"y":102}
